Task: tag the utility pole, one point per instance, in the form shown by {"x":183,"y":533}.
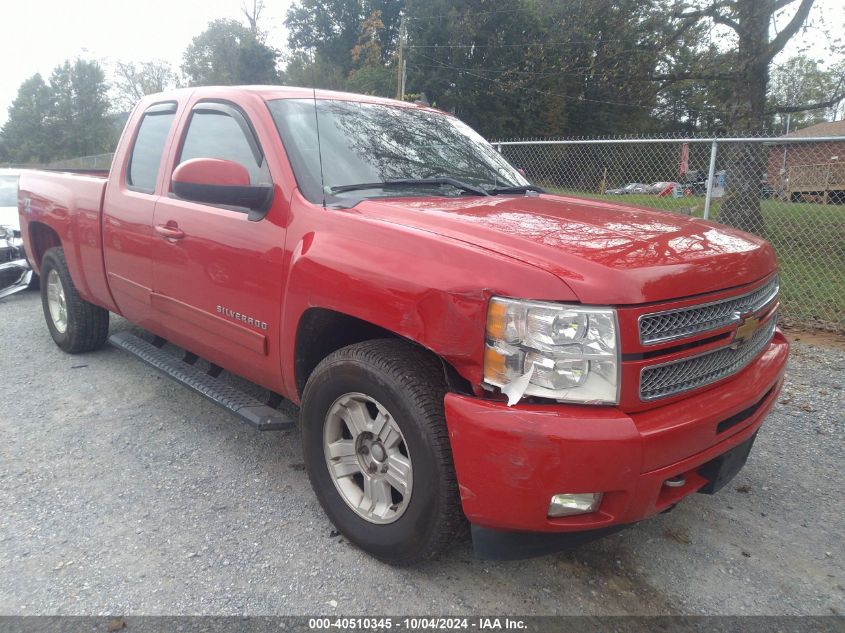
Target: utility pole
{"x":401,"y":66}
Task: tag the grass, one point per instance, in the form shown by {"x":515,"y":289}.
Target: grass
{"x":809,"y":239}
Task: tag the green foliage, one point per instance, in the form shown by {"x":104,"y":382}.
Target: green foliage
{"x":132,"y":81}
{"x":544,"y":67}
{"x":78,"y":120}
{"x":25,"y":136}
{"x":333,"y":28}
{"x":373,"y":80}
{"x":228,"y":53}
{"x":318,"y":73}
{"x":66,"y":118}
{"x":508,"y":67}
{"x":801,"y":79}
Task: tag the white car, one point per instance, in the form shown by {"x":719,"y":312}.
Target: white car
{"x":15,"y":273}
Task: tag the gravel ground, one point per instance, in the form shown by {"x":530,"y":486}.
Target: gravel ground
{"x":122,"y":492}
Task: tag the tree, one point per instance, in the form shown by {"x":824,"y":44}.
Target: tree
{"x":750,"y":50}
{"x":132,"y":81}
{"x":78,"y":121}
{"x":747,"y":24}
{"x":332,"y":28}
{"x":536,"y":67}
{"x":799,"y":80}
{"x":228,"y":53}
{"x":371,"y":75}
{"x":253,"y":15}
{"x":63,"y":119}
{"x":367,"y":51}
{"x":372,"y":80}
{"x":25,"y":135}
{"x":313,"y":71}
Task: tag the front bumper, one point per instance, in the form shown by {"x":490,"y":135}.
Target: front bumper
{"x":510,"y":461}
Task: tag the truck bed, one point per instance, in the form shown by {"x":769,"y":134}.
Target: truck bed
{"x":68,"y":204}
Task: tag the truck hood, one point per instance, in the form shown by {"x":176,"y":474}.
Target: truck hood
{"x":606,"y":253}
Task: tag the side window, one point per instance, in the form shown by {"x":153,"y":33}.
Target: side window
{"x":214,"y":133}
{"x":149,"y":147}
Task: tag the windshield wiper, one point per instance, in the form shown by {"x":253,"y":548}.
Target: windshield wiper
{"x":519,"y":189}
{"x":413,"y":182}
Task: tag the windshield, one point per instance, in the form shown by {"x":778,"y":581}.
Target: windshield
{"x":8,"y":191}
{"x":372,"y":143}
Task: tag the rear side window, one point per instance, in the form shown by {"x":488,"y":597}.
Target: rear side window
{"x":219,"y":131}
{"x":149,"y":147}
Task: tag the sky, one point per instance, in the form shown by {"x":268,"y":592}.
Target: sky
{"x":38,"y":35}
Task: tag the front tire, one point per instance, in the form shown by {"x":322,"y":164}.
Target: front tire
{"x":377,"y":450}
{"x":75,"y":324}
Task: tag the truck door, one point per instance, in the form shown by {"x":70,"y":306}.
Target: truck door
{"x":217,"y":274}
{"x":128,"y":207}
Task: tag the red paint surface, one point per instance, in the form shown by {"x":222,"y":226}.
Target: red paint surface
{"x":424,"y":269}
{"x":211,"y":171}
{"x":511,"y":461}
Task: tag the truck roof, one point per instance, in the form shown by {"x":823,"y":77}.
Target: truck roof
{"x":269,"y":93}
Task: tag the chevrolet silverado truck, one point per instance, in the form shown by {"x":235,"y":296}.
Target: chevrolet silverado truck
{"x":461,"y":350}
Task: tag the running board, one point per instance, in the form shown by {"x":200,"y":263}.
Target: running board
{"x":247,"y":408}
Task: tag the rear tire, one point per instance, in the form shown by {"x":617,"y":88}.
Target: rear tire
{"x":75,"y":324}
{"x":379,"y":404}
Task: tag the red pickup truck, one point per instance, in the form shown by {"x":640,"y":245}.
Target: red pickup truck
{"x":464,"y":349}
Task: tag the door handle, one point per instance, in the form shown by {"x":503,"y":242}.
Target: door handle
{"x":170,"y":231}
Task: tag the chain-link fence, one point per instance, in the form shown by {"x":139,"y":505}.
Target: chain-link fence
{"x":789,"y":190}
{"x":97,"y":162}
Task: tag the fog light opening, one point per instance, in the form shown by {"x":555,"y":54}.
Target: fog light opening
{"x":567,"y":504}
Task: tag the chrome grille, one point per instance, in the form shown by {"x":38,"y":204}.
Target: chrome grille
{"x":674,"y":324}
{"x":669,"y":379}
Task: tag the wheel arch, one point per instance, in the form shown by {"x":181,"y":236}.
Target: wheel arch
{"x":322,"y":331}
{"x":42,"y":237}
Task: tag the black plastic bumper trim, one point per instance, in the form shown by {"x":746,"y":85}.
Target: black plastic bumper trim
{"x":501,"y":545}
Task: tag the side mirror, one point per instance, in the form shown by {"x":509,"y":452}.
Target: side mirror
{"x":223,"y":182}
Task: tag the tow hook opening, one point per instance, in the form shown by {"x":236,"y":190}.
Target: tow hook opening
{"x":676,"y":488}
{"x":678,"y":481}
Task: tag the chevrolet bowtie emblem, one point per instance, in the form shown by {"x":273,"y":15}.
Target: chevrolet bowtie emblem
{"x":746,"y":328}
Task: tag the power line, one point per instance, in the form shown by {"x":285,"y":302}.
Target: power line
{"x":475,"y":74}
{"x":545,"y":92}
{"x":474,"y":13}
{"x":529,"y":44}
{"x":584,"y":72}
{"x":532,"y":10}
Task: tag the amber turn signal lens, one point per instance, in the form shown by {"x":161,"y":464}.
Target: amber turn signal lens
{"x":497,"y":320}
{"x":494,"y":364}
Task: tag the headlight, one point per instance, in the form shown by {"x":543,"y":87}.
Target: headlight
{"x":552,"y":350}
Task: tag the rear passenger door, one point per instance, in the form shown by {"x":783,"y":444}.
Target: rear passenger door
{"x":218,"y":287}
{"x":128,"y":208}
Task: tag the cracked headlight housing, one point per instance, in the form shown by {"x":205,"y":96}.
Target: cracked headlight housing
{"x":568,"y":353}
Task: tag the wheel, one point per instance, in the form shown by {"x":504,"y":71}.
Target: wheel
{"x":75,"y":325}
{"x":377,"y":450}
